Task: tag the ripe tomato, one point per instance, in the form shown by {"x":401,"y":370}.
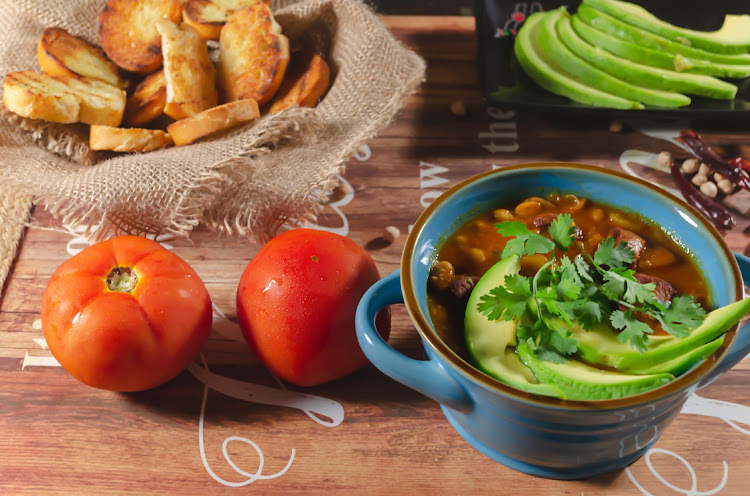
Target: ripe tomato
{"x":125,"y":314}
{"x":296,"y":303}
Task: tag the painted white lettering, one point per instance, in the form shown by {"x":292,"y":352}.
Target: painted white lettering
{"x":39,"y":361}
{"x":429,"y":175}
{"x":499,"y":114}
{"x":428,"y":197}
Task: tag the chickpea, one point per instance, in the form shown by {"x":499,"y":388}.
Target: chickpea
{"x":530,"y":264}
{"x":502,"y":214}
{"x":543,"y":202}
{"x":597,"y":214}
{"x":657,"y":257}
{"x":621,"y":221}
{"x":528,"y":208}
{"x":575,"y":202}
{"x":478,"y":256}
{"x":442,"y":274}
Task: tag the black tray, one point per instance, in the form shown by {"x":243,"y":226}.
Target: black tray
{"x":504,"y":83}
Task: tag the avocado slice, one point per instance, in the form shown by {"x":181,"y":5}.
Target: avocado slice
{"x":550,"y":76}
{"x":644,"y":75}
{"x":654,"y":58}
{"x":582,"y":382}
{"x":490,"y":342}
{"x":583,"y":71}
{"x":732,"y":37}
{"x":683,"y":362}
{"x":615,"y":27}
{"x":600,"y":345}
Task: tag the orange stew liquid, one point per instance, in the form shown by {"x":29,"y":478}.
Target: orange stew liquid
{"x":476,"y":246}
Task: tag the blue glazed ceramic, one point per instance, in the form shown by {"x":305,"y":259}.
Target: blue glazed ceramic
{"x":538,"y":435}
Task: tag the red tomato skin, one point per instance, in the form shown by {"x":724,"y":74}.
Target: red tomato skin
{"x":125,"y":341}
{"x":296,"y":302}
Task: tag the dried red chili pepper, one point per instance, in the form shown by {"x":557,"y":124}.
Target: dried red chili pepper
{"x":732,"y":170}
{"x":718,"y":215}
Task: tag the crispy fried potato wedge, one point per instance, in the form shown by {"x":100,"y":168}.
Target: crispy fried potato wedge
{"x":213,"y":120}
{"x":147,"y":101}
{"x":253,"y":55}
{"x":118,"y":139}
{"x":61,"y":54}
{"x":63,"y":99}
{"x":188,"y":70}
{"x":306,"y":81}
{"x":127,"y":30}
{"x":208,"y":16}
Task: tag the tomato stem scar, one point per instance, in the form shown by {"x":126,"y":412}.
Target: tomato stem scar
{"x":122,"y":279}
{"x":314,"y":258}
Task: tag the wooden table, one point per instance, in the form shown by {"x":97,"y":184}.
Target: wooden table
{"x":58,"y":436}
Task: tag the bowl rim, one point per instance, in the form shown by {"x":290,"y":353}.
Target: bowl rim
{"x":430,"y":337}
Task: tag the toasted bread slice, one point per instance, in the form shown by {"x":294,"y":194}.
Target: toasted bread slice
{"x":61,"y":54}
{"x":253,"y":55}
{"x":188,"y":70}
{"x":63,"y":99}
{"x":127,"y":30}
{"x":209,"y":16}
{"x":118,"y":139}
{"x":147,"y":101}
{"x":212,"y":121}
{"x":306,"y":81}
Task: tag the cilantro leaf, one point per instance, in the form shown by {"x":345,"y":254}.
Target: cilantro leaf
{"x":570,"y":284}
{"x":548,"y":355}
{"x":562,"y":342}
{"x":611,"y":256}
{"x":583,"y":269}
{"x":589,"y":314}
{"x":508,"y":302}
{"x":682,"y":315}
{"x":563,"y":231}
{"x":632,"y":330}
{"x":524,"y":242}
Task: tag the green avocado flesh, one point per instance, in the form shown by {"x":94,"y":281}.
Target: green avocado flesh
{"x":550,"y":76}
{"x":584,"y":71}
{"x":654,"y":58}
{"x":581,"y":382}
{"x":491,"y":342}
{"x":603,"y":367}
{"x":600,"y":346}
{"x":629,"y":33}
{"x":732,"y":37}
{"x":644,"y":75}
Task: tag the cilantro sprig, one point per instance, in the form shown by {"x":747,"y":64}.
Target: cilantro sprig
{"x":584,"y":291}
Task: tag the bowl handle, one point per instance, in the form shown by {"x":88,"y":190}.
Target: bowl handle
{"x":741,"y":346}
{"x":429,"y":377}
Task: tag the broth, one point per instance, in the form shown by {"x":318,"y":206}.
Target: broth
{"x":476,"y":246}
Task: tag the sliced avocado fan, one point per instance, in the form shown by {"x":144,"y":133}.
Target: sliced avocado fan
{"x":654,"y":58}
{"x":732,"y":37}
{"x":490,"y":342}
{"x":593,"y":76}
{"x":550,"y":76}
{"x":615,"y":27}
{"x":643,"y":75}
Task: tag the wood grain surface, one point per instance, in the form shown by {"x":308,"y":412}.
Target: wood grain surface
{"x":58,"y":436}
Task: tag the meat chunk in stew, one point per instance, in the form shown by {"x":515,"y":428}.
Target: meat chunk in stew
{"x":634,"y":242}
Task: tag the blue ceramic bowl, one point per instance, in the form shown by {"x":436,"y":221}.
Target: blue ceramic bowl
{"x":534,"y":434}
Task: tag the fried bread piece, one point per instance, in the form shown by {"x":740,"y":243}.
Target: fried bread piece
{"x":188,"y":70}
{"x":306,"y":81}
{"x":118,"y":139}
{"x":63,"y":99}
{"x":209,"y":16}
{"x":213,"y":120}
{"x":127,"y":30}
{"x":61,"y":54}
{"x":253,"y":55}
{"x":147,"y":101}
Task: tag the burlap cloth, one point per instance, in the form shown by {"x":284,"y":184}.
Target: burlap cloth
{"x":248,"y":181}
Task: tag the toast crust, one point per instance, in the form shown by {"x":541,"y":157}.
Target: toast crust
{"x":63,"y":99}
{"x":253,"y":55}
{"x":188,"y":70}
{"x":59,"y":53}
{"x":208,"y":16}
{"x":127,"y":30}
{"x":306,"y":81}
{"x":117,"y":139}
{"x":147,"y":101}
{"x":213,"y":120}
